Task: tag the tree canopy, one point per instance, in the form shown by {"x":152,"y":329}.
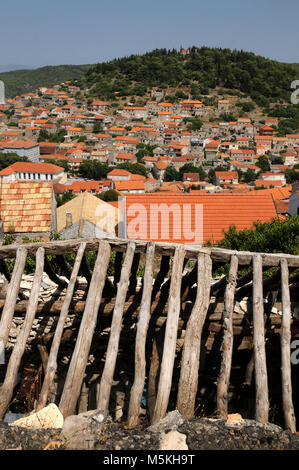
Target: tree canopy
{"x":7,"y":159}
{"x":262,"y":79}
{"x":277,"y":236}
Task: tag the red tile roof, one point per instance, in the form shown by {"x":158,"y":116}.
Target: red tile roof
{"x":118,"y":172}
{"x":129,"y":185}
{"x":26,"y":207}
{"x":30,"y":167}
{"x":218,"y":213}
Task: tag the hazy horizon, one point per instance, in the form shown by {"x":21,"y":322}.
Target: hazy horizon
{"x":13,"y":67}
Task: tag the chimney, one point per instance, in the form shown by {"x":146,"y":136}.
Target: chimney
{"x":69,"y":220}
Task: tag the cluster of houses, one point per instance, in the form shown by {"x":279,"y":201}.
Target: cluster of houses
{"x":96,"y":130}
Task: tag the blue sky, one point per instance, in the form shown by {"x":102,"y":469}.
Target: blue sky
{"x":35,"y":33}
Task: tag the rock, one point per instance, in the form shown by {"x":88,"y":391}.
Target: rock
{"x":171,"y":421}
{"x":82,"y":431}
{"x":235,"y":420}
{"x":173,"y":440}
{"x":48,"y":418}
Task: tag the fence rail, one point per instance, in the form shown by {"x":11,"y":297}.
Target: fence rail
{"x":154,"y":370}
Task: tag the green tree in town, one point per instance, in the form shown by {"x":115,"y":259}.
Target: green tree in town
{"x":171,"y":174}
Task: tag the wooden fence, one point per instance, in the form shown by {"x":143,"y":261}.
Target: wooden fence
{"x":156,"y":373}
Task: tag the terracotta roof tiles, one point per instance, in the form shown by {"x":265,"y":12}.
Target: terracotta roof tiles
{"x":26,"y":207}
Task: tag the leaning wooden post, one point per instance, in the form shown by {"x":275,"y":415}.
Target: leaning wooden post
{"x":74,"y":378}
{"x":52,"y":361}
{"x":6,"y":391}
{"x":174,"y":307}
{"x":285,"y":341}
{"x":112,"y":349}
{"x":191,"y":352}
{"x":260,"y":365}
{"x":227,"y":342}
{"x":143,"y":322}
{"x":11,"y":297}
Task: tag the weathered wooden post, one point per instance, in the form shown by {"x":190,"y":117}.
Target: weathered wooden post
{"x":74,"y":378}
{"x":112,"y":349}
{"x":191,"y":352}
{"x":173,"y":314}
{"x":52,"y":361}
{"x":12,"y":294}
{"x":285,"y":341}
{"x":6,"y":390}
{"x":227,"y":342}
{"x":260,"y":365}
{"x":142,"y":327}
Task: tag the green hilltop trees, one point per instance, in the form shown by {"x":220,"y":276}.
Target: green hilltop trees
{"x":204,"y":68}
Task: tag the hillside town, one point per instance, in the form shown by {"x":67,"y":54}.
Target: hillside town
{"x":72,"y":155}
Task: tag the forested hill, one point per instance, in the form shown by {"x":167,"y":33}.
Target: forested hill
{"x":263,"y":79}
{"x":25,"y":81}
{"x":200,"y":71}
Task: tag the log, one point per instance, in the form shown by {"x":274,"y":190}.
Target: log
{"x":133,"y":276}
{"x":285,"y":341}
{"x":65,"y":267}
{"x":4,"y":270}
{"x":53,"y":276}
{"x":163,"y":271}
{"x":227,"y":342}
{"x":11,"y":296}
{"x":165,"y":249}
{"x":117,"y":267}
{"x":52,"y":361}
{"x":170,"y":335}
{"x":267,"y":319}
{"x":6,"y":390}
{"x":140,"y":343}
{"x":261,"y":379}
{"x":74,"y":378}
{"x":188,"y":281}
{"x":42,"y":349}
{"x":112,"y":349}
{"x":85,"y":269}
{"x":153,"y":374}
{"x":188,"y":382}
{"x":83,"y":400}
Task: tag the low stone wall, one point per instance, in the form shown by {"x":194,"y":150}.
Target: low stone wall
{"x":91,"y":431}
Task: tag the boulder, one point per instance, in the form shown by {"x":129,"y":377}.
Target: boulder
{"x":172,"y":420}
{"x":48,"y":418}
{"x":235,"y":420}
{"x":82,"y":431}
{"x":173,"y":440}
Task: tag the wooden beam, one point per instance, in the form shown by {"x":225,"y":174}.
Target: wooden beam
{"x":74,"y":378}
{"x":142,"y":327}
{"x":117,"y":267}
{"x":85,"y":269}
{"x":6,"y":390}
{"x":285,"y":340}
{"x":53,"y":276}
{"x":112,"y":349}
{"x":52,"y":361}
{"x":162,"y":273}
{"x":227,"y":342}
{"x":261,"y":379}
{"x":166,"y":249}
{"x":11,"y":296}
{"x":170,"y":335}
{"x":188,"y":382}
{"x":133,"y":276}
